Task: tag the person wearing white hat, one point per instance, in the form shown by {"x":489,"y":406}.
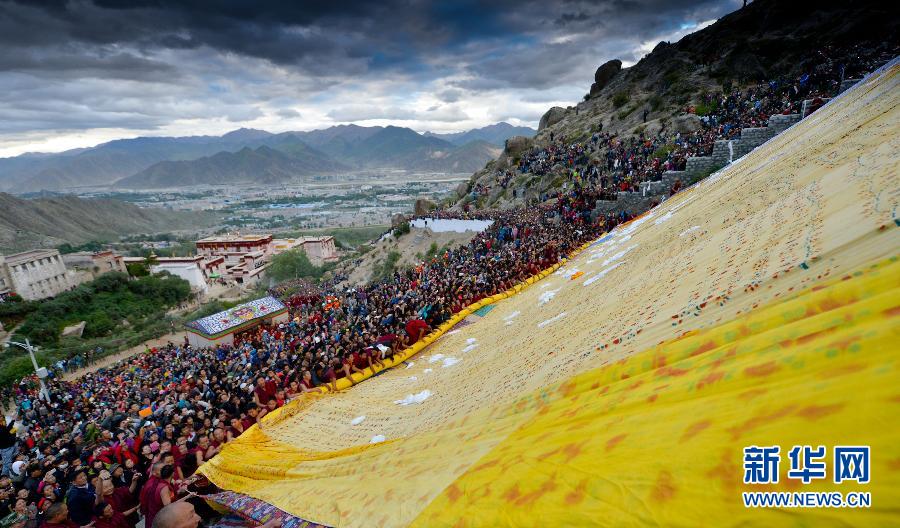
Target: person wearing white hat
{"x":18,"y":467}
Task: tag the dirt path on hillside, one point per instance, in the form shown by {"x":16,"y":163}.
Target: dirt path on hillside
{"x":177,"y":338}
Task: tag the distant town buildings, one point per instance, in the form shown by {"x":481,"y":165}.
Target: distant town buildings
{"x":245,"y":257}
{"x":35,"y":274}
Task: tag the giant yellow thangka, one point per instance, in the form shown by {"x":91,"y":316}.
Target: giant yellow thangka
{"x":758,"y":308}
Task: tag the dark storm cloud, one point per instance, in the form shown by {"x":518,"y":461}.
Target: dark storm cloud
{"x":77,"y":63}
{"x":142,"y":64}
{"x":388,"y":34}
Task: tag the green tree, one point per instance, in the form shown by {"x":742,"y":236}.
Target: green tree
{"x":137,"y":269}
{"x":150,"y":260}
{"x":109,"y":282}
{"x":292,"y":264}
{"x":401,"y":229}
{"x":433,"y":250}
{"x":105,"y":305}
{"x":92,"y":246}
{"x":98,"y":324}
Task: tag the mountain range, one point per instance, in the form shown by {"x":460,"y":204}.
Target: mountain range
{"x":246,"y":155}
{"x":495,"y":134}
{"x":289,"y":160}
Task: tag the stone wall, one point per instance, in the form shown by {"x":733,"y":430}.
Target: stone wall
{"x":628,"y":202}
{"x":724,"y":152}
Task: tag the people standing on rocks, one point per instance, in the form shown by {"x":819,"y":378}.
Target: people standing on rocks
{"x":644,"y":157}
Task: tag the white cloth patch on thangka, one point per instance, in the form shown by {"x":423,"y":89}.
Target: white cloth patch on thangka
{"x":618,"y":255}
{"x":358,"y":420}
{"x":602,"y":273}
{"x":450,"y":361}
{"x":552,"y":320}
{"x":664,"y":218}
{"x":414,"y":398}
{"x":547,"y":296}
{"x":631,"y":226}
{"x":604,"y":250}
{"x":569,"y":272}
{"x":509,"y":318}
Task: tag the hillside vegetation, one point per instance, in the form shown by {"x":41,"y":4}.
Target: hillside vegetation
{"x":117,"y":312}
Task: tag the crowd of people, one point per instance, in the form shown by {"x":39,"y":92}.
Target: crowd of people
{"x":125,"y":442}
{"x":619,"y":163}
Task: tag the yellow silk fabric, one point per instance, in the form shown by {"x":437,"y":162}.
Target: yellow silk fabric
{"x":758,"y":307}
{"x":658,"y":439}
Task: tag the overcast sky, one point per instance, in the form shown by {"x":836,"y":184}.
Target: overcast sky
{"x":77,"y":73}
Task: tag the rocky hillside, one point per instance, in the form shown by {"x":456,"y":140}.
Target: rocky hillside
{"x":49,"y":222}
{"x":765,"y":40}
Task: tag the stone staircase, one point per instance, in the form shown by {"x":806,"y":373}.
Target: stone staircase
{"x":724,"y":152}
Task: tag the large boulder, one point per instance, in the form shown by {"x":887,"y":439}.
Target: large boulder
{"x":686,"y":123}
{"x":424,"y":206}
{"x":462,"y":189}
{"x":518,"y":145}
{"x":553,"y":116}
{"x":75,"y":330}
{"x":604,"y":74}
